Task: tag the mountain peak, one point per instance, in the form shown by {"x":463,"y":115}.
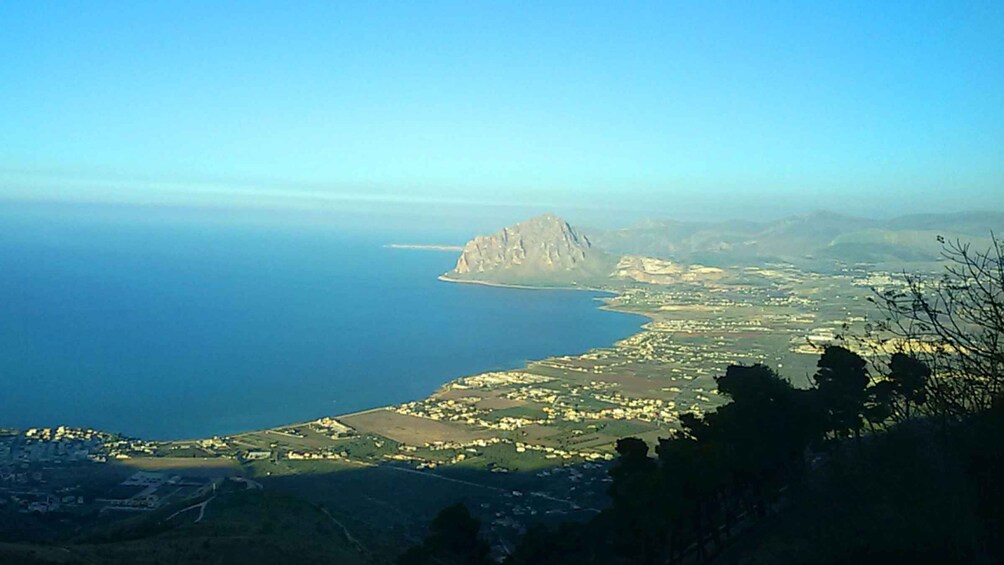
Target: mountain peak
{"x":545,"y":217}
{"x":544,"y":247}
{"x":547,"y":226}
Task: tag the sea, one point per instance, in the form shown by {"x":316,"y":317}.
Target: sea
{"x":172,"y":324}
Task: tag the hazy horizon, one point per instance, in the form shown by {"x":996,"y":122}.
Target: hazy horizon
{"x":600,"y":113}
{"x":411,"y":222}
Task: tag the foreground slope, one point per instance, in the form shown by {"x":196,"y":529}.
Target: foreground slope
{"x":236,"y":525}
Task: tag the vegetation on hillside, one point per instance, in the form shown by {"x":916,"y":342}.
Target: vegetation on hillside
{"x":241,"y":525}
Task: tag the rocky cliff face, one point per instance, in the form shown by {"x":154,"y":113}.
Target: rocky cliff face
{"x":541,"y":248}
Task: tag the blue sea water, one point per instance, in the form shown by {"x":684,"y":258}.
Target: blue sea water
{"x":175,"y":325}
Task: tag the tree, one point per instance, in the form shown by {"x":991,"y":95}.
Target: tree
{"x":879,"y":399}
{"x":763,"y":432}
{"x":694,"y":474}
{"x":955,"y":323}
{"x":841,"y":381}
{"x":452,"y":540}
{"x":633,"y":459}
{"x":909,"y":377}
{"x":636,"y":490}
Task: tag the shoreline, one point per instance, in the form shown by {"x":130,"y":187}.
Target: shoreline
{"x":605,"y":305}
{"x":445,"y":278}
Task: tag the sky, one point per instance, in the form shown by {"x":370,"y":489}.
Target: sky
{"x":610,"y":111}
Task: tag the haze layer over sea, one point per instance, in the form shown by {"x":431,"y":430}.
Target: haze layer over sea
{"x":178,"y":324}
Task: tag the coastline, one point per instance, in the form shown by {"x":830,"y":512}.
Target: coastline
{"x":604,"y":306}
{"x":612,"y":294}
{"x":445,"y":278}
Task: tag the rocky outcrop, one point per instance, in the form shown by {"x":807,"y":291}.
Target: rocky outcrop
{"x":544,"y":248}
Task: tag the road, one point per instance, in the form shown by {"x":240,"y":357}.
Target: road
{"x":201,"y":506}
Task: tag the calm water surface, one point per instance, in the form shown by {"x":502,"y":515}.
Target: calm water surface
{"x":171,"y":327}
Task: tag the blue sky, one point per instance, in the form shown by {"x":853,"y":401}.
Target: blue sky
{"x":672,"y":109}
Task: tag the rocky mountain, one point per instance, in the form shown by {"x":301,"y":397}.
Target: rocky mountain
{"x":541,"y":250}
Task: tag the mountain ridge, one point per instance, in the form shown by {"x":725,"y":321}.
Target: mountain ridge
{"x":809,"y":239}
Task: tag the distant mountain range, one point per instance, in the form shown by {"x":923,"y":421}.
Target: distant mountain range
{"x":814,"y":239}
{"x":546,"y":250}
